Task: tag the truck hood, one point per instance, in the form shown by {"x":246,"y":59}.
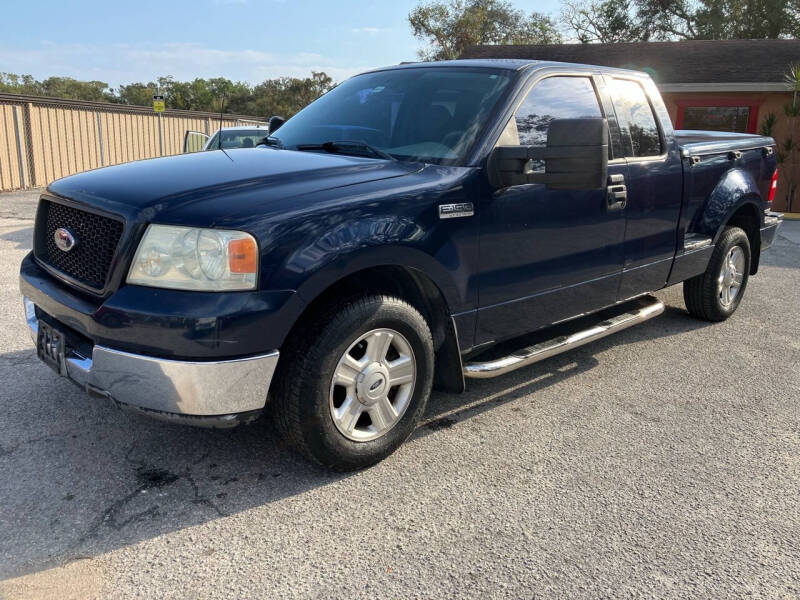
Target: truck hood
{"x":217,"y":183}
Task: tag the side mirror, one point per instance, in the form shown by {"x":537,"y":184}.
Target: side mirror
{"x":193,"y":141}
{"x":275,"y":123}
{"x":575,"y":158}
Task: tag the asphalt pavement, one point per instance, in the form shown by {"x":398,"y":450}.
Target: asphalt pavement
{"x":663,"y":461}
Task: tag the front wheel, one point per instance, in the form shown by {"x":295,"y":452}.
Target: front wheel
{"x":715,"y":295}
{"x":355,"y":382}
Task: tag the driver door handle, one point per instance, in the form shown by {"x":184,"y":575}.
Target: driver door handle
{"x":616,"y":192}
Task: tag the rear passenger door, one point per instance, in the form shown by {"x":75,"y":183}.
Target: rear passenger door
{"x":653,"y":181}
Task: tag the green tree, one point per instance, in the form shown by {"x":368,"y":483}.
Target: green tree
{"x":286,"y":96}
{"x":60,"y":87}
{"x":667,"y":19}
{"x":606,"y":21}
{"x":282,"y":95}
{"x":11,"y":83}
{"x":448,"y":28}
{"x":647,"y":20}
{"x":136,"y":94}
{"x":67,"y":87}
{"x":746,"y":19}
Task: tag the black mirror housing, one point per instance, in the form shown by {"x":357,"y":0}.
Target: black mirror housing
{"x":576,"y":158}
{"x":275,"y":123}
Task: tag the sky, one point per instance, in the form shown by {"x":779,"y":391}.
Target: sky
{"x":244,"y":40}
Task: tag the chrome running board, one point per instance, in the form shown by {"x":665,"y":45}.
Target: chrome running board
{"x":647,"y":308}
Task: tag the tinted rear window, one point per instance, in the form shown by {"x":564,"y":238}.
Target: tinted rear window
{"x":640,"y":135}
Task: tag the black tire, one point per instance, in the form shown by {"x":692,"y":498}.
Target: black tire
{"x":301,"y":404}
{"x":702,"y":293}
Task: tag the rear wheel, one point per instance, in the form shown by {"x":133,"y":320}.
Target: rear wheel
{"x":716,"y":294}
{"x":356,"y":382}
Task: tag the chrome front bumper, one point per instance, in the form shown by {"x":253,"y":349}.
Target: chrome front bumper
{"x":212,"y":393}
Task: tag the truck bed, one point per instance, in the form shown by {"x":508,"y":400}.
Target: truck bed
{"x":695,"y":142}
{"x":714,"y":164}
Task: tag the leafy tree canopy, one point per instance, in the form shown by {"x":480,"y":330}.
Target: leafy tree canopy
{"x":283,"y":95}
{"x":448,"y":28}
{"x":648,"y":20}
{"x":61,"y":87}
{"x":603,"y":21}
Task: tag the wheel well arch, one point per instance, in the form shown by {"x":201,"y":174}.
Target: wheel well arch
{"x":747,"y":217}
{"x":416,"y":288}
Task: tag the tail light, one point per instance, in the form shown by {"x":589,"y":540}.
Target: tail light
{"x":773,"y":187}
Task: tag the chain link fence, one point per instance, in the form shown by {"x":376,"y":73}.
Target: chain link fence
{"x":44,"y":139}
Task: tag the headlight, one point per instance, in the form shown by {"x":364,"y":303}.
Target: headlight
{"x":189,"y":258}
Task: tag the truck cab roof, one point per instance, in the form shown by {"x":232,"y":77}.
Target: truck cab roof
{"x":510,"y":64}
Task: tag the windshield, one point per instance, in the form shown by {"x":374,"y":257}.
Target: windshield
{"x":427,"y":114}
{"x":239,"y":138}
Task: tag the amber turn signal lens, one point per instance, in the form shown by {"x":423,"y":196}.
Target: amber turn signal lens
{"x":242,"y":256}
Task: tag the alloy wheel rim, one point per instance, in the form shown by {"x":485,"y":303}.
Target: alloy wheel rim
{"x":372,"y":385}
{"x":731,"y":276}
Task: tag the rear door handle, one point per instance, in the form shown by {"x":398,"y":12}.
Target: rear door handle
{"x":616,"y":192}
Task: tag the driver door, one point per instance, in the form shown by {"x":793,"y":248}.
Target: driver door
{"x":547,"y":255}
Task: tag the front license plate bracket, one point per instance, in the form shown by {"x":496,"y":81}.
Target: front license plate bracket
{"x":50,"y":347}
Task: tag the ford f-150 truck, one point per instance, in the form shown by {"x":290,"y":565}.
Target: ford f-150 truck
{"x":387,"y":239}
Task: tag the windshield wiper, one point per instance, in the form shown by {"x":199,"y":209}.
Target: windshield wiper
{"x":347,"y":147}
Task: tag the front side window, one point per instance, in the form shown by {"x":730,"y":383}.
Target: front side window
{"x":639,"y":128}
{"x":431,"y":114}
{"x":552,"y":98}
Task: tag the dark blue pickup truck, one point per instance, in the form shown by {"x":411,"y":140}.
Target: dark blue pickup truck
{"x":383,"y":241}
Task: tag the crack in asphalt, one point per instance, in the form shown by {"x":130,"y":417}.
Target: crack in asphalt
{"x":149,"y":478}
{"x":203,"y":500}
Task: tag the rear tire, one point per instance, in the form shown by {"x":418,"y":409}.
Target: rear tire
{"x":354,"y":382}
{"x":715,"y":295}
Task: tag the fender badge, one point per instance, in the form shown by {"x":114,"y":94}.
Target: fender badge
{"x":453,"y":211}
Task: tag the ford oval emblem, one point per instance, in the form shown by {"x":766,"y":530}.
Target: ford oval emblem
{"x":64,"y":239}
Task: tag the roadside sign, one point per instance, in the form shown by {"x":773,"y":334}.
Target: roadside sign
{"x":158,"y":103}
